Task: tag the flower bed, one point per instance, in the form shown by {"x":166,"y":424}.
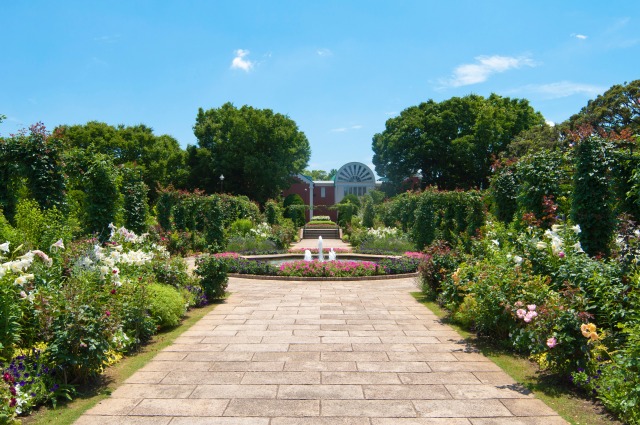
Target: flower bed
{"x":336,"y":268}
{"x":303,"y":268}
{"x":315,"y":250}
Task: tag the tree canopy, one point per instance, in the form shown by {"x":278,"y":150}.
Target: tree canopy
{"x":320,"y":174}
{"x":451,"y":144}
{"x":256,"y":150}
{"x":616,"y":109}
{"x":159,"y":158}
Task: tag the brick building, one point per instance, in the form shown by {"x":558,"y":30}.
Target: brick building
{"x":353,"y":178}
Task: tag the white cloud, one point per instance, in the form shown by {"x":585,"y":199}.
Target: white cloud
{"x":344,"y":129}
{"x":239,"y":62}
{"x":324,"y":52}
{"x":563,"y":89}
{"x":485,"y":66}
{"x":580,"y":36}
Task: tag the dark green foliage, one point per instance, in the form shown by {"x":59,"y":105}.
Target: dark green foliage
{"x":400,"y":211}
{"x":213,"y":276}
{"x":166,"y":199}
{"x":451,"y":143}
{"x":161,"y":160}
{"x":136,"y":207}
{"x":368,"y":215}
{"x":544,"y":174}
{"x":272,"y":212}
{"x":235,"y":207}
{"x":592,"y":202}
{"x":504,"y":191}
{"x":32,"y":159}
{"x":437,"y":268}
{"x":257,"y":151}
{"x":101,"y":188}
{"x":453,"y":216}
{"x":294,"y":209}
{"x":246,"y":266}
{"x":625,"y":170}
{"x":616,"y":109}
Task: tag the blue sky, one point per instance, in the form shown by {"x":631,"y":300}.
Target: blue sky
{"x":339,"y":69}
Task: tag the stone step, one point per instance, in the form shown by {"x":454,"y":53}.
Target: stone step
{"x":325,"y":233}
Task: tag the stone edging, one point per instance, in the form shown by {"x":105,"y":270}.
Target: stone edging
{"x":298,"y":278}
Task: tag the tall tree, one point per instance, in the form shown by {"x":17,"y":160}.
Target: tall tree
{"x":451,"y":144}
{"x":256,"y":150}
{"x":159,"y":158}
{"x":616,"y":109}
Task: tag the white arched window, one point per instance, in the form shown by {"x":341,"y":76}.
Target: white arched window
{"x":354,"y":178}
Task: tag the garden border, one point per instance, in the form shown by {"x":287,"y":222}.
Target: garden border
{"x":337,"y":279}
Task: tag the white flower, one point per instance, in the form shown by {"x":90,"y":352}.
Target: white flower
{"x":578,"y":247}
{"x":4,"y":247}
{"x":541,"y":245}
{"x":576,"y":229}
{"x":556,"y":228}
{"x":517,"y":259}
{"x":21,"y":280}
{"x":495,"y":242}
{"x":85,"y":262}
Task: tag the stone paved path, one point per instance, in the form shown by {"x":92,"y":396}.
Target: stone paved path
{"x":321,"y":353}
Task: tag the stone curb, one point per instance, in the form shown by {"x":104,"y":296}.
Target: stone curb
{"x":330,"y":279}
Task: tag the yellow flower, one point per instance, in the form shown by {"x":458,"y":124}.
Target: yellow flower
{"x":589,"y":331}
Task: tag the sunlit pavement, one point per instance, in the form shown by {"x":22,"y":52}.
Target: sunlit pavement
{"x":357,"y":352}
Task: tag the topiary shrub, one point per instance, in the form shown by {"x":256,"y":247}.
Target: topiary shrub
{"x":592,"y":203}
{"x":294,"y":209}
{"x":213,"y":276}
{"x":166,"y":305}
{"x":136,"y":206}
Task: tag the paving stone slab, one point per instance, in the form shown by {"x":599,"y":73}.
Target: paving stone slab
{"x":320,"y":353}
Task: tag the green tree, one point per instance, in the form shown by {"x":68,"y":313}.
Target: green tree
{"x":616,"y":109}
{"x":256,"y":150}
{"x":159,"y":158}
{"x":451,"y":144}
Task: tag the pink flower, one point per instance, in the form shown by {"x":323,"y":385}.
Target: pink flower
{"x":530,"y":316}
{"x":561,"y":254}
{"x":552,"y":342}
{"x":519,"y":304}
{"x":520,"y":313}
{"x":531,"y":307}
{"x":107,"y":313}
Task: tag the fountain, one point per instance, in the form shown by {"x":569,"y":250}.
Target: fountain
{"x":332,"y":255}
{"x":307,"y":255}
{"x":320,"y":256}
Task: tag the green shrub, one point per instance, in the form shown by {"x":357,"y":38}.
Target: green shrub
{"x":213,"y":276}
{"x":294,"y":209}
{"x":437,"y":270}
{"x":251,"y":245}
{"x":240,"y":227}
{"x":101,"y":188}
{"x":166,"y":305}
{"x":136,"y":206}
{"x":272,"y":212}
{"x":368,"y":215}
{"x":29,"y":222}
{"x":592,"y":201}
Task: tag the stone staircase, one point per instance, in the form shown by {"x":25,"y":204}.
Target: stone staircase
{"x":325,"y":232}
